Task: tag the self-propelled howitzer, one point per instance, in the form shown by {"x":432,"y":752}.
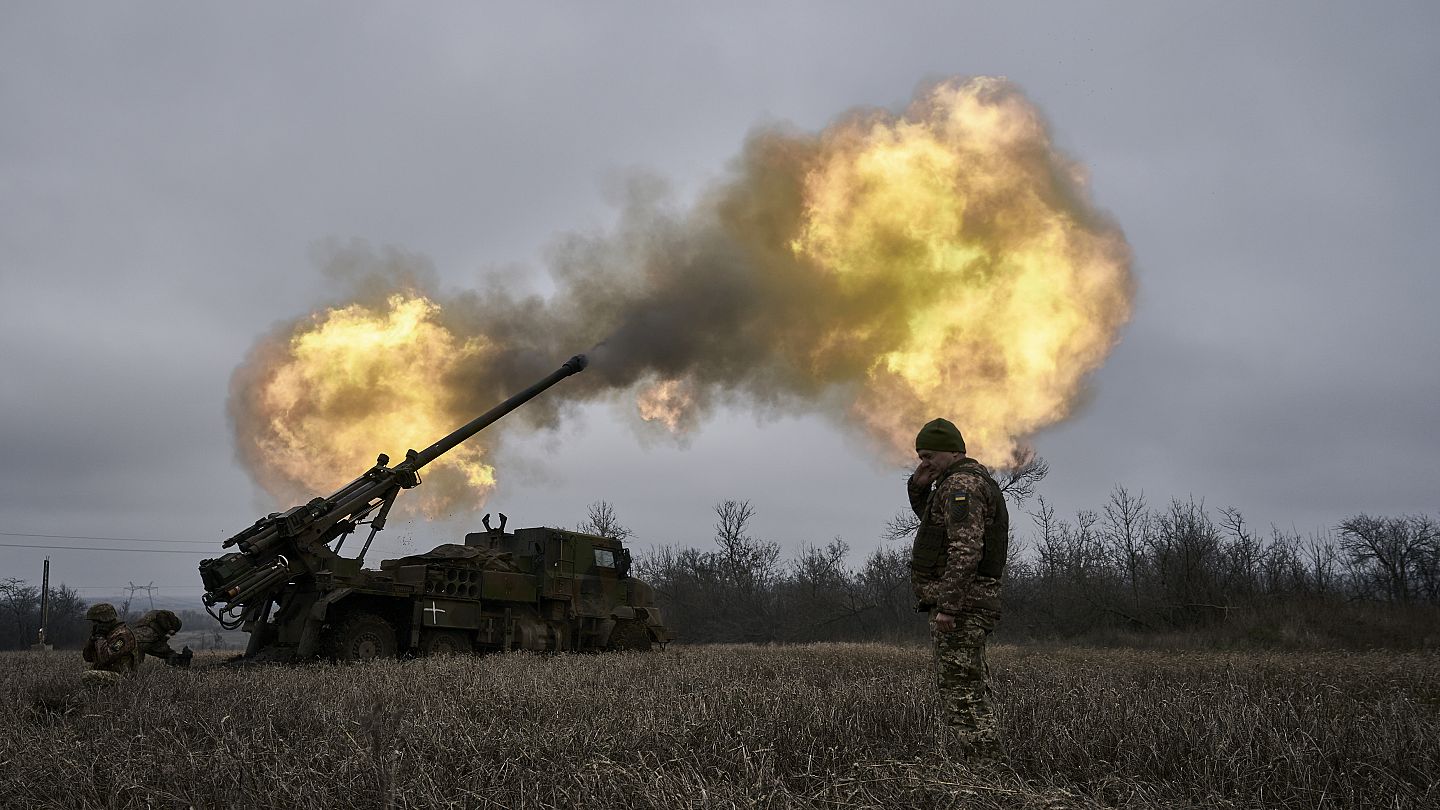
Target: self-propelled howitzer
{"x":288,"y":586}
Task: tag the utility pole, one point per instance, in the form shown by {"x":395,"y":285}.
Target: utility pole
{"x":41,"y":642}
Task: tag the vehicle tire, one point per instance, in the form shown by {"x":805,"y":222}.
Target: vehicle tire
{"x":360,"y":637}
{"x":445,"y":642}
{"x":629,"y":634}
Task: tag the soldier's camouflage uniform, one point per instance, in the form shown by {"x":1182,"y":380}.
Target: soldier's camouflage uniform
{"x":112,"y":646}
{"x":956,"y":566}
{"x":152,"y":634}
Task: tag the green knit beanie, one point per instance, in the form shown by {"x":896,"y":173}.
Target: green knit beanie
{"x":940,"y":434}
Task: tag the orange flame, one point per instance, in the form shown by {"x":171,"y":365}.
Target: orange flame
{"x":1009,"y":300}
{"x":354,"y":381}
{"x":668,"y":402}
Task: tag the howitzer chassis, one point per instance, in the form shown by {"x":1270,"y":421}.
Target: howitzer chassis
{"x":534,"y":589}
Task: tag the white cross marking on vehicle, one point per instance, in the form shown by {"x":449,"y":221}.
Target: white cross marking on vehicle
{"x":434,"y":611}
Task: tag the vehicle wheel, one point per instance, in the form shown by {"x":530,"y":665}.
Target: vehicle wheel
{"x":362,"y":636}
{"x":445,"y":642}
{"x":629,"y":634}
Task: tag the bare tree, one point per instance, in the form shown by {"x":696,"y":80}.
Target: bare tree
{"x":1018,"y":483}
{"x":745,"y":561}
{"x":1244,"y":553}
{"x":600,"y":520}
{"x":1322,"y":562}
{"x":885,"y":583}
{"x":821,"y":570}
{"x":901,"y":526}
{"x":19,"y":603}
{"x":821,"y":598}
{"x":1427,"y":563}
{"x":1283,"y":569}
{"x":1049,"y":553}
{"x":1126,"y":523}
{"x":68,"y":625}
{"x":1186,"y":551}
{"x":1387,"y":553}
{"x":691,"y":592}
{"x":1049,"y":541}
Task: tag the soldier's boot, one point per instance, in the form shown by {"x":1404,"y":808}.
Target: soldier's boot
{"x":976,"y":747}
{"x":99,"y":677}
{"x":987,"y":750}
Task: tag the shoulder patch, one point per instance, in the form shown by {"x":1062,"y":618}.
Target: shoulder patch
{"x":958,"y":505}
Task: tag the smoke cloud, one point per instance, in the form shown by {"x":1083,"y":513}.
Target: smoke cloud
{"x":889,"y":269}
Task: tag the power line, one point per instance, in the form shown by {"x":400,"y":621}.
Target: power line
{"x":193,"y":552}
{"x":116,"y":539}
{"x":213,"y":547}
{"x":118,"y":588}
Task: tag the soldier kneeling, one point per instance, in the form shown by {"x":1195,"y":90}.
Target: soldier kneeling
{"x":112,"y":647}
{"x":152,"y":635}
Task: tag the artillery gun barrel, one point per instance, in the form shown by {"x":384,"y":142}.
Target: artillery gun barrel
{"x":277,"y":574}
{"x":574,"y":365}
{"x":249,"y":583}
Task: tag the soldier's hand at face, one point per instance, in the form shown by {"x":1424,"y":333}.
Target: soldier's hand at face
{"x":944,"y":622}
{"x":924,"y":474}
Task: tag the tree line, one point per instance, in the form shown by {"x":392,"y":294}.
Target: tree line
{"x":1182,"y":566}
{"x":68,"y":629}
{"x":20,"y":616}
{"x":1126,"y":569}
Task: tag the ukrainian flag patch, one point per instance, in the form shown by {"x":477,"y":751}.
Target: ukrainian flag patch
{"x":959,"y":506}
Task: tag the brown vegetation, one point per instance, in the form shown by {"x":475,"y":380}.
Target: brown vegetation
{"x":825,"y":725}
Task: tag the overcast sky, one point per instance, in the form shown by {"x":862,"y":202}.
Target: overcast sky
{"x":168,"y":172}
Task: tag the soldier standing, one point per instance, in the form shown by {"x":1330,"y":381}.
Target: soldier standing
{"x":152,"y":635}
{"x":112,"y":647}
{"x":956,"y":566}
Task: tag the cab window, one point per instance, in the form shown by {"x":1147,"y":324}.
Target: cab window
{"x":604,"y":558}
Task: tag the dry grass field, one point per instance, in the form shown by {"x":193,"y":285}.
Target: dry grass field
{"x":833,"y":726}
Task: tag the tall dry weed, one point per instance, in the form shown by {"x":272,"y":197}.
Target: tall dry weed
{"x":832,"y":725}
